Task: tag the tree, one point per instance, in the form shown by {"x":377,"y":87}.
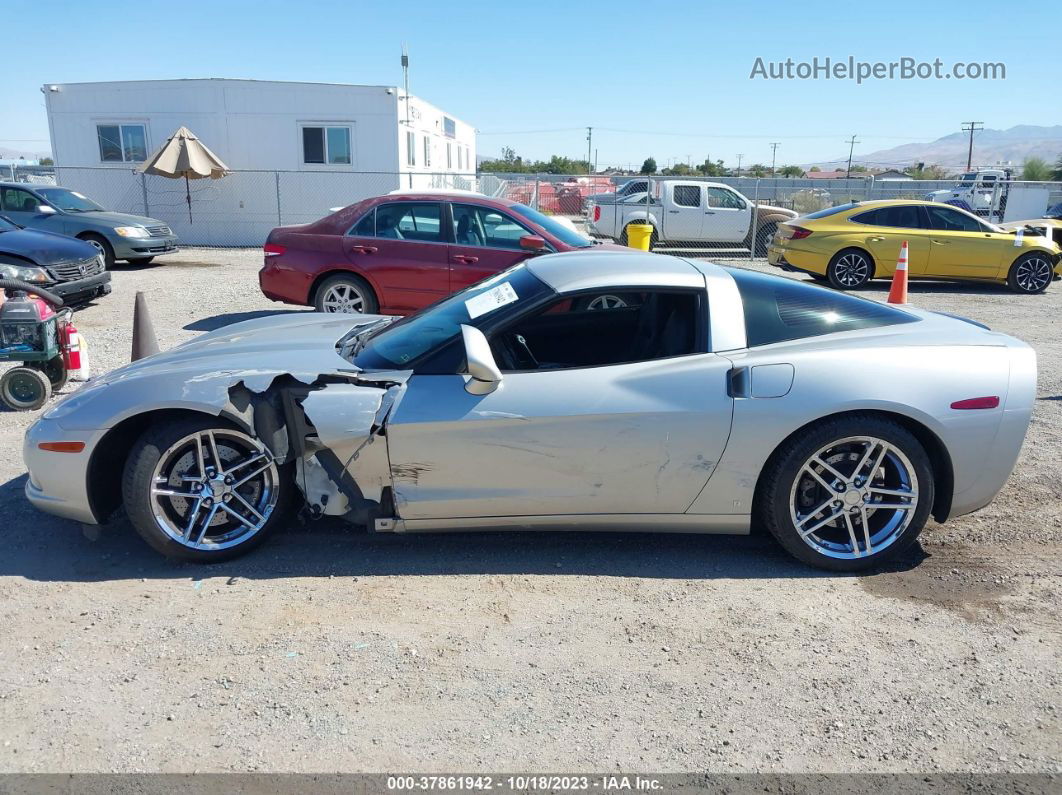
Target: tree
{"x":856,"y":167}
{"x":47,"y":161}
{"x":757,"y":170}
{"x":791,"y":171}
{"x":1035,"y":169}
{"x":814,"y":168}
{"x":922,"y":171}
{"x":1057,"y":173}
{"x":648,"y":166}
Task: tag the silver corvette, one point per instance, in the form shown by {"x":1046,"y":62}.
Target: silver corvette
{"x":577,"y":391}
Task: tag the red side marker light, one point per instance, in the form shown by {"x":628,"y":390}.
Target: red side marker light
{"x":274,"y":249}
{"x":976,"y":403}
{"x":62,"y":447}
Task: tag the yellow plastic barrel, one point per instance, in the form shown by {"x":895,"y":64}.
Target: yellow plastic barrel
{"x":639,"y":236}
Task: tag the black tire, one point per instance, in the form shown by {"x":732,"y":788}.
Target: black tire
{"x":102,"y":244}
{"x":138,"y":480}
{"x":653,"y":238}
{"x":1030,"y":274}
{"x":139,"y":260}
{"x":784,"y":478}
{"x":764,"y":236}
{"x":850,"y":269}
{"x":55,"y":370}
{"x":24,"y":389}
{"x":353,"y":283}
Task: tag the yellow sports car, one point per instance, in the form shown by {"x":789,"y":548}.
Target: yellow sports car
{"x":853,"y":243}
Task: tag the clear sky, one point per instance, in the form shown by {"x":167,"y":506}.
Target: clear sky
{"x":664,"y":79}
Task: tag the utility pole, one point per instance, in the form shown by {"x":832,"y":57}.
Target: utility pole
{"x":589,"y":143}
{"x":851,"y":148}
{"x":971,"y":127}
{"x":739,"y":164}
{"x":774,"y":152}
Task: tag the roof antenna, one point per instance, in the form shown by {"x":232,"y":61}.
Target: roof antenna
{"x":405,"y":77}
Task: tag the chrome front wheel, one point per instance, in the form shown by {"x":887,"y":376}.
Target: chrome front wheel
{"x":198,"y":490}
{"x":1031,"y":273}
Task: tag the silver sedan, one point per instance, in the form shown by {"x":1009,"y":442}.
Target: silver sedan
{"x":597,"y":391}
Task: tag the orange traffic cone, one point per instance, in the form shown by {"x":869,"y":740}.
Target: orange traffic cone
{"x":898,"y":291}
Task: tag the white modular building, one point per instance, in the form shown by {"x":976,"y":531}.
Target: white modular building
{"x":296,"y":149}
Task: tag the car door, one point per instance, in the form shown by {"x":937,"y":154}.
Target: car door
{"x":961,"y":246}
{"x":486,"y":240}
{"x":402,"y":248}
{"x":727,"y":216}
{"x":22,"y":207}
{"x":684,"y":216}
{"x":633,"y":437}
{"x":887,"y":228}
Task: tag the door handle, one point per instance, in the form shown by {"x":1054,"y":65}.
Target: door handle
{"x":709,"y":212}
{"x":673,"y":212}
{"x":940,"y":242}
{"x":738,"y":383}
{"x":875,"y":239}
{"x":465,"y":260}
{"x":364,"y":249}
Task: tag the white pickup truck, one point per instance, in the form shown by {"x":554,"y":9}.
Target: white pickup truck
{"x":687,"y":211}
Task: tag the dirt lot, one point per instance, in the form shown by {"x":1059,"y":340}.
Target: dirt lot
{"x":330,"y":650}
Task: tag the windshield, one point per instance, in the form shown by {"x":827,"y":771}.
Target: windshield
{"x":558,"y":230}
{"x":401,"y":343}
{"x":71,"y":201}
{"x":967,"y":178}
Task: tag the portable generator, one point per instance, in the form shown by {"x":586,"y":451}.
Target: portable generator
{"x":35,"y":335}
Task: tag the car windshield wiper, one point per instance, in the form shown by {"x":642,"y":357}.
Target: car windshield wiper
{"x":362,"y":335}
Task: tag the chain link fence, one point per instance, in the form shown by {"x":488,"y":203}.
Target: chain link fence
{"x":722,"y":216}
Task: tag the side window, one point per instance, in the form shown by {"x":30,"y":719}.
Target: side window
{"x":420,"y":221}
{"x":687,"y":195}
{"x":15,"y":201}
{"x":949,"y":220}
{"x":366,"y":227}
{"x":605,"y":328}
{"x":777,"y":310}
{"x":726,"y":199}
{"x":904,"y":217}
{"x":481,"y":226}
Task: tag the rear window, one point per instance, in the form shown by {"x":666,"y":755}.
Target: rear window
{"x":840,"y":208}
{"x":779,"y":309}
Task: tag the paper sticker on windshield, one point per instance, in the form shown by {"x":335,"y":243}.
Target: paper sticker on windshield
{"x":489,"y":301}
{"x":1018,"y":237}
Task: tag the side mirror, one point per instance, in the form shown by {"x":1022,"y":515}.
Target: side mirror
{"x":484,"y":375}
{"x":533,"y":243}
{"x":45,"y":209}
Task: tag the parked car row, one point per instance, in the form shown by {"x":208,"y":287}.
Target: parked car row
{"x":60,"y":239}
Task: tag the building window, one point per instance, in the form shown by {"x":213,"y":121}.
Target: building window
{"x":468,"y":159}
{"x":449,"y":127}
{"x":122,"y":143}
{"x":326,"y":145}
{"x":459,"y":158}
{"x":449,"y":155}
{"x":427,"y":150}
{"x":411,"y":151}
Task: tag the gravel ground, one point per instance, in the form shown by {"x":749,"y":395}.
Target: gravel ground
{"x":332,"y":650}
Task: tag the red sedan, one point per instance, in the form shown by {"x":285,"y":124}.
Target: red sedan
{"x":398,"y":253}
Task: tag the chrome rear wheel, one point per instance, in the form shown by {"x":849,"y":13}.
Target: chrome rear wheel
{"x":854,"y":497}
{"x":850,"y":269}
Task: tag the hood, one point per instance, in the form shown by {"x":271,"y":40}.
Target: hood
{"x":295,"y":343}
{"x":44,"y":248}
{"x":108,"y":218}
{"x":770,"y":208}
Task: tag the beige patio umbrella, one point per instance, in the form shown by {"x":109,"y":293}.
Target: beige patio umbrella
{"x":184,"y":155}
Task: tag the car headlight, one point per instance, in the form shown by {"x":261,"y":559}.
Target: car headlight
{"x":24,"y":274}
{"x":131,"y":231}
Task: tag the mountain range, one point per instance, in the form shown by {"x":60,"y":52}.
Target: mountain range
{"x":990,"y":147}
